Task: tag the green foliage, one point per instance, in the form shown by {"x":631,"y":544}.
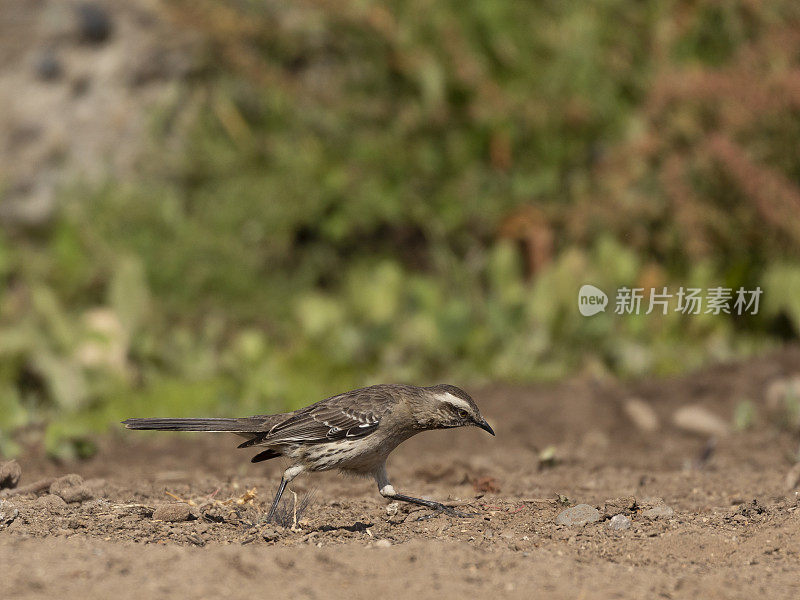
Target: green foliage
{"x":348,"y":205}
{"x":744,"y":416}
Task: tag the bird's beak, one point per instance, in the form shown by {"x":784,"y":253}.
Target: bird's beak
{"x":485,"y":426}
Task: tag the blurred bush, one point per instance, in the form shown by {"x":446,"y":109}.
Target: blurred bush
{"x":411,"y":191}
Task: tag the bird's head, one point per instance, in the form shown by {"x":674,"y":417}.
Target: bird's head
{"x":447,"y":406}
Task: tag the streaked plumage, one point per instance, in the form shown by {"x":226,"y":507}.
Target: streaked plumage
{"x":354,"y":432}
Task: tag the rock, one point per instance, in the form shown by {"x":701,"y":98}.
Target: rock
{"x":71,"y":488}
{"x":619,"y":523}
{"x":10,"y":472}
{"x":578,"y":515}
{"x":173,"y":513}
{"x":7,"y":513}
{"x":641,"y":414}
{"x":383,"y":544}
{"x":50,"y":503}
{"x":391,"y":509}
{"x":696,"y":419}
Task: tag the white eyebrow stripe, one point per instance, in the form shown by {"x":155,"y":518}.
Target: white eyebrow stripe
{"x":455,"y":401}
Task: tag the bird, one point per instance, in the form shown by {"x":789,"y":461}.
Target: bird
{"x":353,"y":432}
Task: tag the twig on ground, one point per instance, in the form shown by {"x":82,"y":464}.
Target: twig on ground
{"x":179,"y":499}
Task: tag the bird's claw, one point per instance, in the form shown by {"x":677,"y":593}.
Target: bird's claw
{"x":447,"y":510}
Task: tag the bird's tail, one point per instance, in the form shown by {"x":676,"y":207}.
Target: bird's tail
{"x":241,"y":425}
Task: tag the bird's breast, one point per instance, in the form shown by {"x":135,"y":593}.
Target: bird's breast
{"x":361,"y":455}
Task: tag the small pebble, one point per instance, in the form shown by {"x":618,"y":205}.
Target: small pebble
{"x":173,"y":513}
{"x":391,"y":509}
{"x":578,"y":515}
{"x":619,"y":522}
{"x":383,"y":544}
{"x":10,"y":472}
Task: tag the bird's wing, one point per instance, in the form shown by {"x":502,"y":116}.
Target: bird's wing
{"x":346,"y":416}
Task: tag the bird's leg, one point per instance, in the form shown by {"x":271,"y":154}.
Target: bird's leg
{"x":277,"y":499}
{"x":288,"y":475}
{"x":387,"y":491}
{"x":294,"y":511}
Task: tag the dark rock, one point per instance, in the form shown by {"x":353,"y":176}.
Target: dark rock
{"x":94,"y":23}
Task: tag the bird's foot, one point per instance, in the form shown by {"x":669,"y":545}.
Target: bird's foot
{"x":294,"y":512}
{"x":447,"y":510}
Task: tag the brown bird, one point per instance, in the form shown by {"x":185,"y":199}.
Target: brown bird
{"x":354,"y":432}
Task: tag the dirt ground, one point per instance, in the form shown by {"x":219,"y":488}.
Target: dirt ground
{"x":707,"y":520}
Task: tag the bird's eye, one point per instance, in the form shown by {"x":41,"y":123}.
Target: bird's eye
{"x":463,"y":414}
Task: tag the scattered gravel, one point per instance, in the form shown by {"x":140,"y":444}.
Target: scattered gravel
{"x":578,"y":515}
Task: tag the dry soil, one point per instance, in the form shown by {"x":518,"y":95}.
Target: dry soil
{"x":726,"y":522}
